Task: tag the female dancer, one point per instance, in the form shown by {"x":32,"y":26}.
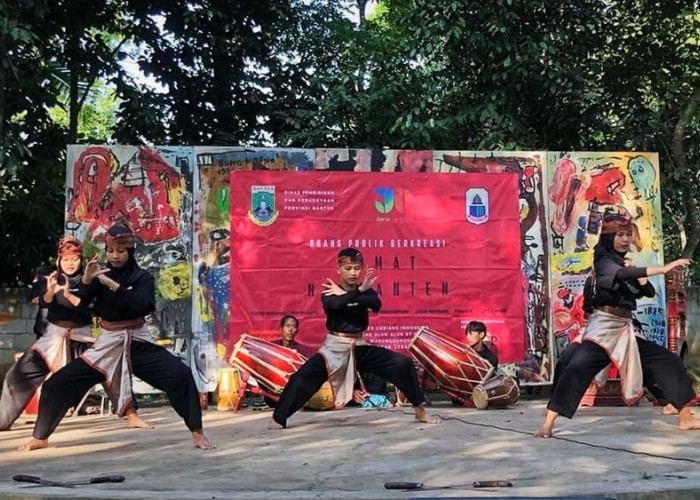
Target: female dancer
{"x":609,"y":335}
{"x":124,"y":294}
{"x":67,"y":334}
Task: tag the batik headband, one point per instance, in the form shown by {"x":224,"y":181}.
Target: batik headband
{"x":350,"y":254}
{"x":120,"y":241}
{"x":70,"y":245}
{"x":614,"y":222}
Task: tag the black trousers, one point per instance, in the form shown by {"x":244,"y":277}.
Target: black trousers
{"x":151,"y":363}
{"x":568,"y":353}
{"x":389,"y":365}
{"x":23,"y":379}
{"x":579,"y":365}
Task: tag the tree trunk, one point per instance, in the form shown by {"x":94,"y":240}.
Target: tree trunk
{"x":692,"y":209}
{"x":361,"y":5}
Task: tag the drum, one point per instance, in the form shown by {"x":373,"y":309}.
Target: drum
{"x":272,"y":365}
{"x":227,"y":389}
{"x":269,"y":363}
{"x":497,"y":392}
{"x":455,"y":367}
{"x":323,"y":399}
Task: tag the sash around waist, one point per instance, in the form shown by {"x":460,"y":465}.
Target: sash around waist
{"x":123,"y":325}
{"x":68,"y":324}
{"x":620,"y":312}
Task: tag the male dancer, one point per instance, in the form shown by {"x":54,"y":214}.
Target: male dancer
{"x":347,"y":307}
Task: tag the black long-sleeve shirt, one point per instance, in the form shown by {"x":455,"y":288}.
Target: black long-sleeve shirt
{"x":349,"y":313}
{"x":135,"y":297}
{"x":618,"y":286}
{"x":489,"y":356}
{"x":41,"y":321}
{"x":59,"y":309}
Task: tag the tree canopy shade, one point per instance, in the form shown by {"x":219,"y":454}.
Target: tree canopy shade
{"x":504,"y":74}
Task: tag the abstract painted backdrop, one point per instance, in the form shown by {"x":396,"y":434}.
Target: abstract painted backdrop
{"x":150,"y":188}
{"x":177,"y":199}
{"x":581,"y":187}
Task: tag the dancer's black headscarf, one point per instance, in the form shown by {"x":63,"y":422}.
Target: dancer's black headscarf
{"x":606,"y":260}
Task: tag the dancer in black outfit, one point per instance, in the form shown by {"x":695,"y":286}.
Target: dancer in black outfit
{"x":347,"y":307}
{"x":66,"y":331}
{"x":124,"y":294}
{"x":609,"y":335}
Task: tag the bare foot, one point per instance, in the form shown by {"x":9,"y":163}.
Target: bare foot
{"x":543,"y":433}
{"x":548,"y":424}
{"x":273,"y":425}
{"x":34,"y":444}
{"x":424,"y":416}
{"x":133,"y":421}
{"x":669,"y":409}
{"x":200,"y":441}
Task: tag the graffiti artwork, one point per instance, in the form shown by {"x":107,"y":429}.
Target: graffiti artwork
{"x":149,"y":189}
{"x":177,"y":201}
{"x":211,"y":297}
{"x":581,"y":187}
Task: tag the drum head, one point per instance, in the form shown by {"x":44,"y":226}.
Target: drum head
{"x":480,"y":397}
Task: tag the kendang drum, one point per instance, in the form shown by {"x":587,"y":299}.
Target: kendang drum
{"x":323,"y":399}
{"x":227,"y":389}
{"x":455,"y":367}
{"x":269,"y":363}
{"x":272,"y":365}
{"x":497,"y":392}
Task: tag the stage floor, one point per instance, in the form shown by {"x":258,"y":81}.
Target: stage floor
{"x":349,"y":454}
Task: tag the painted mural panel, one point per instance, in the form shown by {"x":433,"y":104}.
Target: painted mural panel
{"x":581,"y":187}
{"x":529,"y":166}
{"x":150,"y":188}
{"x":211,"y":245}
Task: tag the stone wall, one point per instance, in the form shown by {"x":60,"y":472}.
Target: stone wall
{"x":16,"y":323}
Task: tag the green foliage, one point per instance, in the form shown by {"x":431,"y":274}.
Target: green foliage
{"x":502,"y":74}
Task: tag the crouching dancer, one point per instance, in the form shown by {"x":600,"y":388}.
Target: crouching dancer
{"x":347,"y":316}
{"x":124,"y":294}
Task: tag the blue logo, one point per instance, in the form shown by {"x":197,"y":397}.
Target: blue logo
{"x":384,"y":202}
{"x":477,"y":205}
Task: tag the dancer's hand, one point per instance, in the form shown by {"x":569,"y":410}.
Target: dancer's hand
{"x":332,"y":288}
{"x":51,"y":286}
{"x":108,"y":282}
{"x":52,"y":283}
{"x":677,"y":264}
{"x":369,"y":281}
{"x":92,"y":270}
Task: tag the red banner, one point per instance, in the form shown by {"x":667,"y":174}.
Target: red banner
{"x":446,"y":249}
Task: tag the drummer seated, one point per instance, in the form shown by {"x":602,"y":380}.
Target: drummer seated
{"x":289,"y":328}
{"x":476,"y":339}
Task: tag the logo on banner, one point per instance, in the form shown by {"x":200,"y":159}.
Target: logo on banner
{"x":385,"y":202}
{"x":477,"y":205}
{"x":262,"y":205}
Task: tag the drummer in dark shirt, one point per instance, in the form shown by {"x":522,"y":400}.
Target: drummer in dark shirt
{"x":347,"y":307}
{"x":289,"y":328}
{"x":476,"y":338}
